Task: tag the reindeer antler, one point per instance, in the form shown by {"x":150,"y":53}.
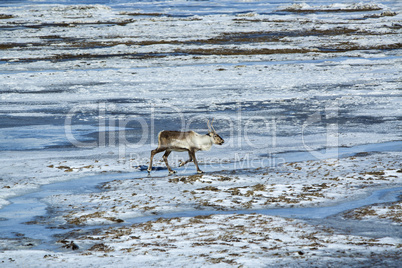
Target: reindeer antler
{"x":212,"y":125}
{"x":209,"y":124}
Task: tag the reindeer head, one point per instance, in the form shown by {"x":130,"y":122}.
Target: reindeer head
{"x":216,"y":139}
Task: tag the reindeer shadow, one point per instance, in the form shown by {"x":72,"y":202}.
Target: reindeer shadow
{"x":145,"y":168}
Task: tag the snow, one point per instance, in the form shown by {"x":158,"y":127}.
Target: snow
{"x":216,"y":241}
{"x":335,"y":7}
{"x":306,"y":96}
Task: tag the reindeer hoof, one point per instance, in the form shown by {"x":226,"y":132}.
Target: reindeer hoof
{"x":172,"y":172}
{"x":200,"y":171}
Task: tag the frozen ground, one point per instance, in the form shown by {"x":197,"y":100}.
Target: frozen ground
{"x":307,"y":96}
{"x":221,"y":241}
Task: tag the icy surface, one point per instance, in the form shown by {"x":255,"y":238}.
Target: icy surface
{"x":307,"y":96}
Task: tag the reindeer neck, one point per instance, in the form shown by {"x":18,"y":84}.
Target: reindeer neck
{"x":206,"y":142}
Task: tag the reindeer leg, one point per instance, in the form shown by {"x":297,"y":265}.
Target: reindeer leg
{"x":165,"y":158}
{"x":188,"y":161}
{"x":192,"y":153}
{"x":153,"y":153}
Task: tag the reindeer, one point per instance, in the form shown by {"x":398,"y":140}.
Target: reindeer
{"x":189,"y":141}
